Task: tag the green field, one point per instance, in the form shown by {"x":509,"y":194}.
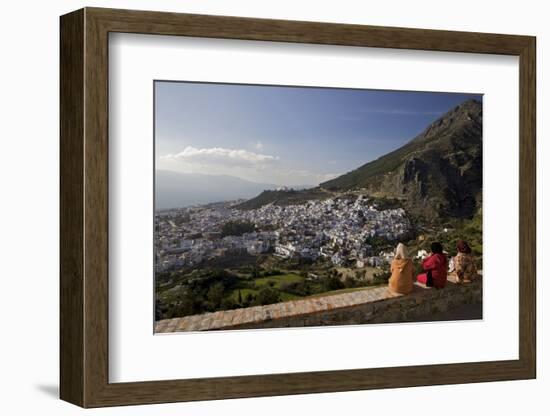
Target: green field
{"x":244,"y":293}
{"x":271,"y":281}
{"x":278,"y":280}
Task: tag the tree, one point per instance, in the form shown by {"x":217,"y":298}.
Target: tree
{"x":350,"y":282}
{"x":376,"y":243}
{"x":381,"y":277}
{"x":249,"y":299}
{"x":228,"y":303}
{"x":239,"y":298}
{"x":237,"y":228}
{"x":331,"y":283}
{"x":267,"y":296}
{"x":299,"y":288}
{"x":215,"y":294}
{"x":158,"y":310}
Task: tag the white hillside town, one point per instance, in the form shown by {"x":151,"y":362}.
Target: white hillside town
{"x":337,"y":229}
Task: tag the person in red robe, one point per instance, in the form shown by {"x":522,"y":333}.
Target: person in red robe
{"x":435,"y":268}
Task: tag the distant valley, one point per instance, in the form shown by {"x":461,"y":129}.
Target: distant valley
{"x":175,"y":189}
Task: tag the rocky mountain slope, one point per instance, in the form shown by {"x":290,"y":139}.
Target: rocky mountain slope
{"x":438,"y":174}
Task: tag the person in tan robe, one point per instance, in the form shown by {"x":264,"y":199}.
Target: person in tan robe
{"x":464,"y":263}
{"x":401,"y":280}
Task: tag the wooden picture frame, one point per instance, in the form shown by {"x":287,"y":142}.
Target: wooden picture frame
{"x":84,"y":207}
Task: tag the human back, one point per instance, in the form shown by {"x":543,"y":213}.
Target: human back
{"x":401,"y":280}
{"x":465,"y":267}
{"x":435,"y":268}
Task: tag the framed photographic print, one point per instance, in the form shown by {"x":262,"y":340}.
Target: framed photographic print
{"x":255,"y":207}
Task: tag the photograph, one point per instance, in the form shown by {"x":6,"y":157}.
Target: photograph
{"x":300,"y":206}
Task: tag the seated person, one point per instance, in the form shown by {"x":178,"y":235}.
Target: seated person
{"x":401,"y":280}
{"x":435,"y":268}
{"x":464,"y":263}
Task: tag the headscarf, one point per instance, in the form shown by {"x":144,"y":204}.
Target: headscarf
{"x":463,"y":247}
{"x":401,"y":251}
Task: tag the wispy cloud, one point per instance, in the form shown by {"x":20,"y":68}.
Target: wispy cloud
{"x":252,"y":166}
{"x":220,"y":155}
{"x":257,"y":145}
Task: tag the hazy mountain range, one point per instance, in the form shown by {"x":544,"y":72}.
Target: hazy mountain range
{"x":175,"y":189}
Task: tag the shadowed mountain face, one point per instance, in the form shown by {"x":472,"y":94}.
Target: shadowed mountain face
{"x":438,"y":174}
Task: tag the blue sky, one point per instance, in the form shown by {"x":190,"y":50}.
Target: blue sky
{"x":285,"y":135}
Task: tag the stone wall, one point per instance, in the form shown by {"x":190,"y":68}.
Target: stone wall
{"x":371,"y":305}
{"x":421,"y":303}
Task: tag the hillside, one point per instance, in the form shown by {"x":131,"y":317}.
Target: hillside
{"x":284,"y":197}
{"x":437,"y":174}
